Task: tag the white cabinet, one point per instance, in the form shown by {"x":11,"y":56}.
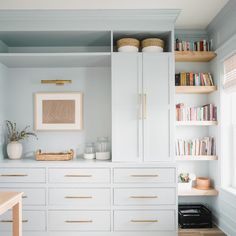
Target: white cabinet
{"x":140,"y":106}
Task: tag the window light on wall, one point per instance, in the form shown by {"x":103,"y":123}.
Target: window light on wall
{"x":229,"y":82}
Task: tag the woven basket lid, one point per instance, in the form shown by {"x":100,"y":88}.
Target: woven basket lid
{"x":128,"y":42}
{"x":152,"y":42}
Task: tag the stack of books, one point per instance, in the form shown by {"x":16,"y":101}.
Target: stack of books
{"x":193,"y":79}
{"x":202,"y":45}
{"x":196,"y":147}
{"x":207,"y":112}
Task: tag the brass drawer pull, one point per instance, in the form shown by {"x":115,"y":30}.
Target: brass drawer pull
{"x":144,"y":175}
{"x":144,"y":221}
{"x":78,"y":221}
{"x":147,"y":197}
{"x":79,"y":197}
{"x":11,"y":221}
{"x":13,"y":175}
{"x":78,"y":176}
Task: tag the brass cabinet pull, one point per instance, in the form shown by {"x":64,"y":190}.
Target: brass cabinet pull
{"x":144,"y":106}
{"x":78,"y":221}
{"x":11,"y":221}
{"x":147,"y":197}
{"x":13,"y":175}
{"x":144,"y":175}
{"x":144,"y":221}
{"x":78,"y":176}
{"x":78,"y":197}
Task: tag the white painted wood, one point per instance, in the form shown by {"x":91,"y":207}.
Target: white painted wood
{"x":144,"y":196}
{"x":156,"y":76}
{"x":31,"y":196}
{"x":136,"y":220}
{"x":79,"y":220}
{"x":80,"y":197}
{"x":22,"y":175}
{"x":126,"y":107}
{"x":78,"y":175}
{"x":144,"y":175}
{"x":31,"y":221}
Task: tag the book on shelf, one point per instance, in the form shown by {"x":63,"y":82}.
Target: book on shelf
{"x":207,"y":112}
{"x":200,"y":46}
{"x":193,"y":79}
{"x":196,"y":147}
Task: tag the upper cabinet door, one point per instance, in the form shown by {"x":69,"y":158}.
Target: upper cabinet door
{"x":156,"y":102}
{"x":126,"y":92}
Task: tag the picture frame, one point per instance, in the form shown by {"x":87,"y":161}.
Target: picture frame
{"x":58,"y":111}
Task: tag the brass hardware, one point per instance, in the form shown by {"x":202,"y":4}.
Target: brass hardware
{"x":78,"y":221}
{"x":57,"y":82}
{"x":144,"y":221}
{"x":144,"y":106}
{"x":13,"y":175}
{"x":78,"y":176}
{"x":79,"y":197}
{"x":144,"y":175}
{"x":11,"y":221}
{"x":144,"y":197}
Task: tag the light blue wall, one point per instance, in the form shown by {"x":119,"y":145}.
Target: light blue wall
{"x":93,"y":82}
{"x":223,"y":32}
{"x":3,"y":89}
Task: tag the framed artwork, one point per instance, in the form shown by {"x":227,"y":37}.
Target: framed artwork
{"x":58,"y":111}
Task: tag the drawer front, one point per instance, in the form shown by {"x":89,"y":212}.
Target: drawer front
{"x":144,"y":196}
{"x":79,"y":220}
{"x":22,"y":175}
{"x":80,"y":197}
{"x":144,"y":220}
{"x":31,"y":196}
{"x":144,"y":175}
{"x":32,"y":221}
{"x":79,"y":175}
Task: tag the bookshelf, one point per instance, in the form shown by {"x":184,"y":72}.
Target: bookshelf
{"x":196,"y":192}
{"x":194,"y":56}
{"x":196,"y":123}
{"x":195,"y":89}
{"x":196,"y":158}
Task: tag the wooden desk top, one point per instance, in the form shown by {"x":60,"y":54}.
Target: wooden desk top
{"x":8,"y":200}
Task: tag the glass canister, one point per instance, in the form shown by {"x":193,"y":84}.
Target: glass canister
{"x":103,"y":149}
{"x":89,"y":151}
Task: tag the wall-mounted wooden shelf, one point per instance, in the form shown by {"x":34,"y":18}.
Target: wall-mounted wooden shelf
{"x":195,"y":89}
{"x":197,"y":192}
{"x":196,"y":158}
{"x":196,"y":123}
{"x":194,"y":56}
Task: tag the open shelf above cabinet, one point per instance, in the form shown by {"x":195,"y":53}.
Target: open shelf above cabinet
{"x":197,"y":192}
{"x":196,"y":123}
{"x":196,"y":158}
{"x":37,"y":60}
{"x":195,"y":89}
{"x":194,"y":56}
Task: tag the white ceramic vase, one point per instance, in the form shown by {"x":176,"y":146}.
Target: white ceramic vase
{"x":14,"y":150}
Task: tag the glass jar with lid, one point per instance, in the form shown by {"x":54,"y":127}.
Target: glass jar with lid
{"x":89,"y":151}
{"x":103,"y":148}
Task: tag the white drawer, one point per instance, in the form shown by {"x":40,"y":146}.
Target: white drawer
{"x":79,"y":175}
{"x":31,"y":196}
{"x":79,"y":220}
{"x":144,"y":196}
{"x":32,"y":221}
{"x":144,"y":220}
{"x":22,"y":175}
{"x":80,"y":197}
{"x":144,"y":175}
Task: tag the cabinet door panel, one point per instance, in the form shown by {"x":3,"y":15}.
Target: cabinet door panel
{"x":125,"y":106}
{"x":156,"y":74}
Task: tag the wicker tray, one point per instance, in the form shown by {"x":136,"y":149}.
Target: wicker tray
{"x":60,"y":156}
